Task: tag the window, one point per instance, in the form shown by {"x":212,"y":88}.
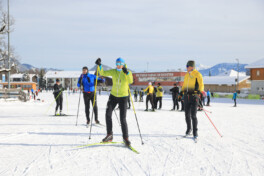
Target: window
{"x":258,"y":73}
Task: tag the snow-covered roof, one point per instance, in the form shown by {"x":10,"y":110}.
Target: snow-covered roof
{"x":257,"y":64}
{"x":64,"y":74}
{"x":17,"y":76}
{"x":232,"y":73}
{"x":223,"y":80}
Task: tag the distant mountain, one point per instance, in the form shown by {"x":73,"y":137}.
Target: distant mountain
{"x":202,"y":67}
{"x":223,"y":68}
{"x":25,"y":67}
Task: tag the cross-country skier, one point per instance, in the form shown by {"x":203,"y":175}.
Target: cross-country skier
{"x":142,"y":95}
{"x":193,"y":85}
{"x":208,"y":95}
{"x":175,"y":96}
{"x":135,"y":94}
{"x":88,"y":82}
{"x":155,"y":95}
{"x":159,"y":96}
{"x":121,"y":77}
{"x":58,"y":95}
{"x":235,"y":98}
{"x":150,"y":92}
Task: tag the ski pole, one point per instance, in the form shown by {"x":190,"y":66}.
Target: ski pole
{"x":135,"y":112}
{"x":53,"y":101}
{"x":213,"y":124}
{"x":94,"y":100}
{"x":79,"y":103}
{"x":117,"y":118}
{"x":206,"y":110}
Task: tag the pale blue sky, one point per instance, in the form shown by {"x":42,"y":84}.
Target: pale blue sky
{"x":68,"y":34}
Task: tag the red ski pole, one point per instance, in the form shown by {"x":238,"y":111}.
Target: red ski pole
{"x":213,"y":124}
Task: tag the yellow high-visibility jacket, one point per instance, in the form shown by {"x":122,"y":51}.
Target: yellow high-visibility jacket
{"x":150,"y":90}
{"x":193,"y":82}
{"x":159,"y":91}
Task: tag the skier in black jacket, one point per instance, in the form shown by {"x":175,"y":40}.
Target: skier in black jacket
{"x":175,"y":96}
{"x":58,"y":95}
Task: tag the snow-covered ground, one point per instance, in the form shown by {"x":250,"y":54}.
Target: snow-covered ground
{"x":33,"y":142}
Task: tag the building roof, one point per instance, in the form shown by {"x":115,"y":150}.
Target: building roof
{"x":232,"y":73}
{"x":257,"y":64}
{"x":64,"y":74}
{"x":223,"y":80}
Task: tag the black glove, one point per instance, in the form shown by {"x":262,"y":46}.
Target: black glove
{"x":125,"y":70}
{"x":98,"y":61}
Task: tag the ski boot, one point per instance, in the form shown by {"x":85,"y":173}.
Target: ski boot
{"x":195,"y":138}
{"x":188,"y":133}
{"x":97,"y":121}
{"x":146,"y":110}
{"x":108,"y":138}
{"x":127,"y":142}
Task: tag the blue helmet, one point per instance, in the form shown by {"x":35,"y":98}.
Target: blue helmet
{"x":120,"y":60}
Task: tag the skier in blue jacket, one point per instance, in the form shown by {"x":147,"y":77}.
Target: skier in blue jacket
{"x":208,"y":94}
{"x":88,"y":82}
{"x":234,"y":98}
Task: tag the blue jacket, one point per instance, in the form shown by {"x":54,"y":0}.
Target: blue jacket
{"x":234,"y":96}
{"x":88,"y":82}
{"x":208,"y":94}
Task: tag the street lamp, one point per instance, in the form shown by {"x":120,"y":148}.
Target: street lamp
{"x":8,"y":32}
{"x":237,"y":74}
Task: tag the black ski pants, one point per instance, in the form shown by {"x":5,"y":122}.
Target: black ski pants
{"x":175,"y":102}
{"x":89,"y":97}
{"x":190,"y":105}
{"x":59,"y":102}
{"x":150,"y":98}
{"x":159,"y":100}
{"x":111,"y":104}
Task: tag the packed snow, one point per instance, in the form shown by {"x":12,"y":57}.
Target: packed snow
{"x":34,"y":142}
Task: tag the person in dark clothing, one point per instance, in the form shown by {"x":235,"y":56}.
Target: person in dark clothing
{"x":88,"y":82}
{"x":58,"y":95}
{"x":175,"y":97}
{"x":192,"y":87}
{"x":155,"y":96}
{"x":141,"y":95}
{"x":135,"y":94}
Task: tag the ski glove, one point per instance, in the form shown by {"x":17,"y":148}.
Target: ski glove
{"x":125,"y":70}
{"x":98,"y":62}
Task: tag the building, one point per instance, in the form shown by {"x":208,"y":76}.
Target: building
{"x":19,"y":77}
{"x":20,"y":85}
{"x":257,"y":77}
{"x":226,"y":82}
{"x":68,"y":79}
{"x":167,"y":79}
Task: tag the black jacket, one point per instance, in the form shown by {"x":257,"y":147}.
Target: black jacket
{"x":57,"y":90}
{"x":175,"y":91}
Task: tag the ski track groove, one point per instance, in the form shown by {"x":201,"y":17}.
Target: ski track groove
{"x":165,"y":163}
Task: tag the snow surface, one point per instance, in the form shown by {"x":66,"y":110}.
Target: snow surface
{"x":32,"y":142}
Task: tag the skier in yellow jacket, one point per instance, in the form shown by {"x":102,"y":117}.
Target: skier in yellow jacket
{"x":121,"y":77}
{"x":150,"y":91}
{"x":193,"y":85}
{"x":159,"y":95}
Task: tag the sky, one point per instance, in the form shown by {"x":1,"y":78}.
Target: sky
{"x":68,"y":34}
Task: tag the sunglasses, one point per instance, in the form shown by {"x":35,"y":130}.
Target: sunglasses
{"x":119,"y":64}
